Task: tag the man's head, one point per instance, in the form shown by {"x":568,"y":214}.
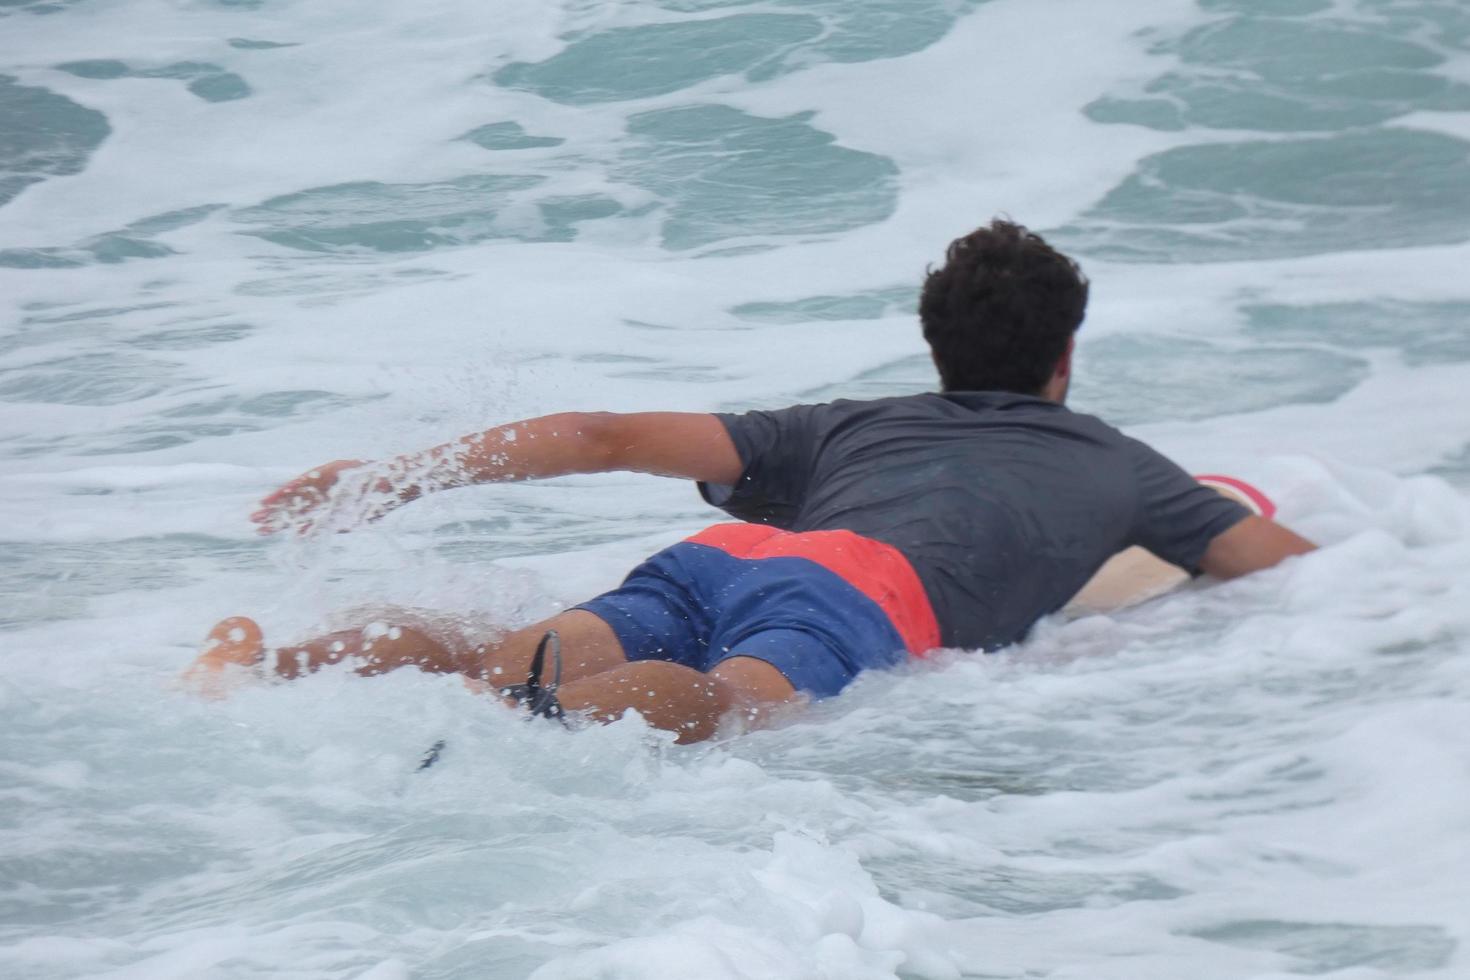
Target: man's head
{"x":1000,"y":313}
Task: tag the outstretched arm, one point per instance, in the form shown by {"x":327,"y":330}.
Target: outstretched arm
{"x":680,"y":444}
{"x":1251,"y":545}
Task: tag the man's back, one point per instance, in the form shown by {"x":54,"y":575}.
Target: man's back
{"x":1005,"y":504}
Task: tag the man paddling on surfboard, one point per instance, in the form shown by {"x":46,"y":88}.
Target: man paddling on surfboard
{"x":867,"y":531}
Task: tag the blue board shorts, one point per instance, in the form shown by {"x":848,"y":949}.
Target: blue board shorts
{"x":819,"y":606}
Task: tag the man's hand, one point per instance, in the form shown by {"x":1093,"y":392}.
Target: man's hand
{"x":299,"y":503}
{"x":1253,"y":544}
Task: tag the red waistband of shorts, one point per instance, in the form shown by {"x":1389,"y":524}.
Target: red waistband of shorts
{"x":877,"y":570}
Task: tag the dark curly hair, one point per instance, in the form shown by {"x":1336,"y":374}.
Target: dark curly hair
{"x":1000,"y":311}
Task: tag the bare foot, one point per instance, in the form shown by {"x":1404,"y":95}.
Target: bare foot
{"x":234,"y":642}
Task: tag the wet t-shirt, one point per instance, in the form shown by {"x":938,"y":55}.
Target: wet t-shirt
{"x":1004,"y":504}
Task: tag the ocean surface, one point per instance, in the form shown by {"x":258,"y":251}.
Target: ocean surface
{"x":242,"y":237}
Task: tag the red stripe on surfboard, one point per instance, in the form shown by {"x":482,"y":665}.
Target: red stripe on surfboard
{"x":1258,"y":501}
{"x":877,"y":570}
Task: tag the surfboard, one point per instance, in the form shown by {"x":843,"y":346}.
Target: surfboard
{"x":1135,"y":575}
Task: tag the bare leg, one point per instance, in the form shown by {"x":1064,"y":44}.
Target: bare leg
{"x":589,"y":645}
{"x":678,"y":698}
{"x":377,"y":648}
{"x":596,"y":677}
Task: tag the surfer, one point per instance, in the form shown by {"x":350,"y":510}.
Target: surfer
{"x":865,"y":532}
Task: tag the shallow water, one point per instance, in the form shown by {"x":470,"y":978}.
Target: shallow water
{"x":240,"y":237}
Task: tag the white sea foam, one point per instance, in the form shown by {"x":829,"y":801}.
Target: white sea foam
{"x":1257,"y":779}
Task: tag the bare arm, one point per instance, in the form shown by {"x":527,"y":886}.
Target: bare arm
{"x":680,"y":444}
{"x":1253,"y":544}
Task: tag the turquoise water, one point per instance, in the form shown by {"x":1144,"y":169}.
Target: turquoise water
{"x":242,"y":237}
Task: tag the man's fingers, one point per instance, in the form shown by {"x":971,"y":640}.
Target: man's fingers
{"x":285,"y":507}
{"x":289,"y":489}
{"x":275,"y":523}
{"x":298,"y":505}
{"x":293,"y":496}
{"x":270,"y":521}
{"x":295,"y":488}
{"x":314,"y":482}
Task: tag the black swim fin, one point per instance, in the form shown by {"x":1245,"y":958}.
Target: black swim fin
{"x":536,"y":696}
{"x":431,"y":756}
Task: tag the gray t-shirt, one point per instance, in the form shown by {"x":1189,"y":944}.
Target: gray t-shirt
{"x":1004,"y":504}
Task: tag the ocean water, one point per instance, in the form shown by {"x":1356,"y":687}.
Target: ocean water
{"x":242,"y":237}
